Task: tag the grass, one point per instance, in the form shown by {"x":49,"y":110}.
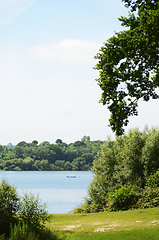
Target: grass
{"x":133,"y":225}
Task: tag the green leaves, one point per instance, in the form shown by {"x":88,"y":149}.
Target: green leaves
{"x":32,"y":211}
{"x":8,"y":206}
{"x":8,"y":199}
{"x":128,"y":64}
{"x":122,"y":198}
{"x":122,"y":170}
{"x":22,"y":217}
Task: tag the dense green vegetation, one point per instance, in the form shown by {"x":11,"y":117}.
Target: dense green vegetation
{"x":126,"y":173}
{"x":50,"y":157}
{"x":22,"y":218}
{"x":128,"y":63}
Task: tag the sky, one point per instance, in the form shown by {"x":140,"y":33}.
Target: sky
{"x":47,"y":81}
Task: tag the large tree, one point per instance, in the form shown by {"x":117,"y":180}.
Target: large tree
{"x":128,"y":63}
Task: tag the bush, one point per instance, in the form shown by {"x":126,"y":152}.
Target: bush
{"x":122,"y":198}
{"x":32,"y":211}
{"x":153,"y":180}
{"x":21,"y":232}
{"x":149,"y":198}
{"x":20,"y":214}
{"x":87,"y":207}
{"x":9,"y":205}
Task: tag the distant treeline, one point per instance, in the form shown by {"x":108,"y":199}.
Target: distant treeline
{"x":50,"y":157}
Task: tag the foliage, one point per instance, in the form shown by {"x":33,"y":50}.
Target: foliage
{"x":20,"y":232}
{"x":153,"y":180}
{"x":149,"y":198}
{"x":21,"y":217}
{"x":130,"y":160}
{"x":150,"y":153}
{"x":128,"y":63}
{"x":32,"y":211}
{"x":8,"y":206}
{"x":122,"y":198}
{"x":50,"y":157}
{"x":85,"y":138}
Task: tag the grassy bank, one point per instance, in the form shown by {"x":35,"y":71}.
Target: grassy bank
{"x":133,"y":225}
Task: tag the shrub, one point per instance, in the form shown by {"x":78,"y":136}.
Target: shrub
{"x":32,"y":211}
{"x":153,"y":180}
{"x":9,"y":205}
{"x":21,"y":232}
{"x":21,"y":214}
{"x":149,"y":198}
{"x":122,"y":198}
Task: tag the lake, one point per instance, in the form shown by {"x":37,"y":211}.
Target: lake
{"x":60,"y":193}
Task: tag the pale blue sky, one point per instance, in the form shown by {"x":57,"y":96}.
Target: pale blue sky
{"x":47,"y":81}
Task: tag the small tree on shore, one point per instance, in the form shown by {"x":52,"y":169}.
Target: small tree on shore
{"x":9,"y":205}
{"x":14,"y":210}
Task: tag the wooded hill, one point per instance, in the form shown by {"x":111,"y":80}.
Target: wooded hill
{"x":50,"y":157}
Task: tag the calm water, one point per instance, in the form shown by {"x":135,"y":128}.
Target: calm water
{"x":60,"y":193}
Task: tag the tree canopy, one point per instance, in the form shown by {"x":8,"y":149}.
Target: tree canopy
{"x":128,"y":63}
{"x":50,"y":157}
